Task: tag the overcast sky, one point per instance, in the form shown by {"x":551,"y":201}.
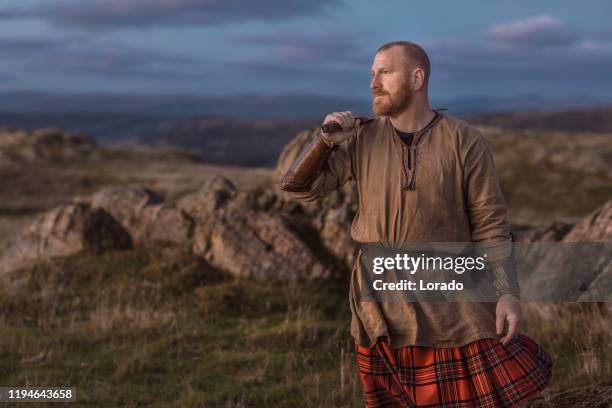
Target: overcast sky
{"x":550,"y":48}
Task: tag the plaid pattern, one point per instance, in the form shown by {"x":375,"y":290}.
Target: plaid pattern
{"x":483,"y":374}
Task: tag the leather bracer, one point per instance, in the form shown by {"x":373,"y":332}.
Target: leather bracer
{"x":504,"y":278}
{"x":305,"y":170}
{"x":501,"y":263}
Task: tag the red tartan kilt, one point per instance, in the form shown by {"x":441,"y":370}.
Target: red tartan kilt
{"x":483,"y":374}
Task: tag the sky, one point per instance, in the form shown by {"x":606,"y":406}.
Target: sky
{"x":477,"y":48}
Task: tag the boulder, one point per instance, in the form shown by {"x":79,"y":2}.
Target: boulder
{"x":576,"y":268}
{"x":232,"y":234}
{"x":144,"y":215}
{"x":62,"y":231}
{"x":335,"y":231}
{"x":553,"y":232}
{"x":138,"y":209}
{"x":596,"y":227}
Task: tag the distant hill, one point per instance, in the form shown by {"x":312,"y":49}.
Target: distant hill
{"x":105,"y":127}
{"x":597,"y":119}
{"x":258,"y":142}
{"x":182,"y":106}
{"x":255,"y":142}
{"x":287,"y":106}
{"x":230,"y":141}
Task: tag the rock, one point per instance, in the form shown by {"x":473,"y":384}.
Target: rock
{"x":213,"y":194}
{"x":261,"y":199}
{"x":577,"y":268}
{"x":597,"y":227}
{"x":128,"y":205}
{"x":553,"y":232}
{"x":232,"y":234}
{"x":229,"y":229}
{"x":165,"y":223}
{"x":144,"y":215}
{"x":335,"y":233}
{"x":62,"y":231}
{"x":332,"y":215}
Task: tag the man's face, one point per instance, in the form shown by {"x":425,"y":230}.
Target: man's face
{"x":390,"y":88}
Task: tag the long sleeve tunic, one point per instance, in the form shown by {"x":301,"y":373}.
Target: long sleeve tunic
{"x":443,"y":188}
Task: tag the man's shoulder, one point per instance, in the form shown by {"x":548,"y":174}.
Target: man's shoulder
{"x":458,"y":124}
{"x":463,"y":130}
{"x":370,"y":127}
{"x":372,"y":124}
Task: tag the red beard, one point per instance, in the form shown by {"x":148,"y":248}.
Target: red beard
{"x":387,"y":105}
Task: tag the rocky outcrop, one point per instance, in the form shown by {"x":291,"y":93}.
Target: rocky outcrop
{"x":44,"y":145}
{"x":334,"y":228}
{"x":144,"y":215}
{"x":233,"y":234}
{"x":596,"y":227}
{"x":575,"y":267}
{"x":331,"y":215}
{"x":229,"y":229}
{"x":547,"y":233}
{"x":63,"y":231}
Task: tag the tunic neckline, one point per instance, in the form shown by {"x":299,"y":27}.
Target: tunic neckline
{"x":409,"y":153}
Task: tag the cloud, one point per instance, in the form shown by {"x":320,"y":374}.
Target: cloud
{"x":71,"y":56}
{"x":111,"y":14}
{"x":12,"y":46}
{"x":122,"y":62}
{"x":315,"y":48}
{"x":462,"y":61}
{"x":540,"y":48}
{"x":533,"y":32}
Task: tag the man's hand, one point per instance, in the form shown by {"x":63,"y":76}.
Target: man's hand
{"x":508,"y":310}
{"x":348,"y":123}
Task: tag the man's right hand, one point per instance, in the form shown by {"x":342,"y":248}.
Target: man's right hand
{"x":348,"y":123}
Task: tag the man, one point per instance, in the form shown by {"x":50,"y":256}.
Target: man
{"x":423,"y":176}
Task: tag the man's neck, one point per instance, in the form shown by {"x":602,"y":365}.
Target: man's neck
{"x":414,"y":118}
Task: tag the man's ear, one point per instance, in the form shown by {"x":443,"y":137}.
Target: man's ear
{"x":418,"y":78}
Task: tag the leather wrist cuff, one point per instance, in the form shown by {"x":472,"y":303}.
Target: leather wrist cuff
{"x":304,"y":171}
{"x":505,"y":280}
{"x":501,"y":264}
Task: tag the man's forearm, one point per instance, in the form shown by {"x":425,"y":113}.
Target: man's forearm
{"x":308,"y":166}
{"x":502,"y":264}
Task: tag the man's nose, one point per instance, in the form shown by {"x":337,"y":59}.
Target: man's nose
{"x":375,"y":82}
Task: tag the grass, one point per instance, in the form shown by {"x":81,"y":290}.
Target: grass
{"x":159,"y":327}
{"x":578,"y":336}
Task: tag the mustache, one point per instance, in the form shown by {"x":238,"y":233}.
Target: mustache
{"x":379,"y":93}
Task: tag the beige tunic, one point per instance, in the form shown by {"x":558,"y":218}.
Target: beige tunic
{"x":444,"y":190}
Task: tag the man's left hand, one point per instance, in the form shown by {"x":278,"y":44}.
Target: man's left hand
{"x":508,"y":310}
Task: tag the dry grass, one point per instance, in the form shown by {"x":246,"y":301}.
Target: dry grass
{"x":159,"y":327}
{"x":578,"y":336}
